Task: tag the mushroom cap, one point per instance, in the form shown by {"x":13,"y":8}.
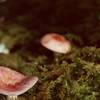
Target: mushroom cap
{"x":3,"y":48}
{"x":56,"y":42}
{"x":13,"y":83}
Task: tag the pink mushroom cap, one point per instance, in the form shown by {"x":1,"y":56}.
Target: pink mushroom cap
{"x":13,"y":83}
{"x":56,"y":42}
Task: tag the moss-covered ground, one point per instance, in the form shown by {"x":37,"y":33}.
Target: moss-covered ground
{"x":72,"y":76}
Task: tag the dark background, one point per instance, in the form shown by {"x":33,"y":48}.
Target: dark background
{"x":80,"y":17}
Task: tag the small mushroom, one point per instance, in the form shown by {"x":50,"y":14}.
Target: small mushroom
{"x":56,"y":42}
{"x":13,"y":83}
{"x":3,"y":49}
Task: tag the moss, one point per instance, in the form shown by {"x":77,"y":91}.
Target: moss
{"x":71,"y":76}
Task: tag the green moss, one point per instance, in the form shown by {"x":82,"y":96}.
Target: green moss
{"x":73,"y":76}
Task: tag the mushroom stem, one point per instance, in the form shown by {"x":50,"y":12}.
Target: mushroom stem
{"x":12,"y":98}
{"x":56,"y":57}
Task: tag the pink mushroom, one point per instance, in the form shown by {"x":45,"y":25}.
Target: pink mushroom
{"x":13,"y":83}
{"x":56,"y":43}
